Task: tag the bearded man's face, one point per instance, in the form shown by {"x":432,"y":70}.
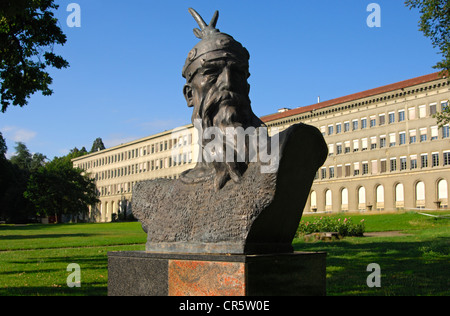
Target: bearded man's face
{"x":219,"y":93}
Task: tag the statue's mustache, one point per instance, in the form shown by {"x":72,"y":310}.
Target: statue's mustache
{"x":215,"y":98}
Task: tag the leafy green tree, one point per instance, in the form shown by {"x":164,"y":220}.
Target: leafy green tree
{"x":22,"y":158}
{"x":57,"y":188}
{"x":3,"y":147}
{"x":75,"y":153}
{"x":26,"y":161}
{"x":28,"y":33}
{"x":5,"y":175}
{"x":97,"y":145}
{"x":435,"y":24}
{"x":16,"y":171}
{"x":37,"y":160}
{"x":30,"y":186}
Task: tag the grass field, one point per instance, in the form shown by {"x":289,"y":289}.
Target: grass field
{"x":34,"y":258}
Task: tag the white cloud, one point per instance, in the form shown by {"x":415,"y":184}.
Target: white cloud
{"x":17,"y":134}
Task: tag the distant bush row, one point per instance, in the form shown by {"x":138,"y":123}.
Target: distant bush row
{"x":345,"y":227}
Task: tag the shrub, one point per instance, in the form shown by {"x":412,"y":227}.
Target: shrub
{"x":345,"y":227}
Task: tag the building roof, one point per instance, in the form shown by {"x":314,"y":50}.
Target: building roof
{"x":355,"y":96}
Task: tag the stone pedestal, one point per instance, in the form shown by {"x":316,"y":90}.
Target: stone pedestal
{"x":170,"y":274}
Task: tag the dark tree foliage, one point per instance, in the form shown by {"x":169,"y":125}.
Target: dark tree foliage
{"x":28,"y":33}
{"x":14,"y":174}
{"x":435,"y":24}
{"x":5,"y":174}
{"x":97,"y":145}
{"x":23,"y":157}
{"x":31,"y":187}
{"x":57,"y":188}
{"x":3,"y":147}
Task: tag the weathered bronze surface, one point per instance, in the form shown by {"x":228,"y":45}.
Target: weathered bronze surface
{"x":216,"y":72}
{"x":203,"y":211}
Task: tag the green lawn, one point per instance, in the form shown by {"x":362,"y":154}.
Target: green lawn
{"x":34,"y":258}
{"x":416,"y":263}
{"x":70,"y":235}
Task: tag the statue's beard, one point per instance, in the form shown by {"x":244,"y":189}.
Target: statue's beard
{"x":222,"y":110}
{"x":225,"y":109}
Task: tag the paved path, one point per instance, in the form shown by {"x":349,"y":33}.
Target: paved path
{"x":394,"y":233}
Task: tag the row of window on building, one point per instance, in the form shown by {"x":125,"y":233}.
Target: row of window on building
{"x":150,"y":165}
{"x":380,"y":119}
{"x":392,"y":139}
{"x":379,"y":201}
{"x":385,"y":165}
{"x":184,"y":140}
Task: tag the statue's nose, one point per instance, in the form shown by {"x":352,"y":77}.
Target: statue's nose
{"x":225,"y":79}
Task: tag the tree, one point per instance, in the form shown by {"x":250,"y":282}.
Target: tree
{"x":75,"y":153}
{"x":435,"y":24}
{"x":5,"y":175}
{"x":37,"y":160}
{"x":97,"y":145}
{"x":25,"y":161}
{"x":28,"y":33}
{"x":16,"y":172}
{"x":57,"y":188}
{"x":22,"y":157}
{"x":3,"y":147}
{"x":30,"y":186}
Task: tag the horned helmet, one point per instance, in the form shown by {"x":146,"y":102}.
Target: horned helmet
{"x":213,"y":45}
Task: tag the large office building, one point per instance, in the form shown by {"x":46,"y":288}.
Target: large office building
{"x":386,"y":152}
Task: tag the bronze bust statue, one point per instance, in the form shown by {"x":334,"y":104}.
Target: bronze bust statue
{"x":216,"y":72}
{"x":202,"y":211}
{"x":226,"y":226}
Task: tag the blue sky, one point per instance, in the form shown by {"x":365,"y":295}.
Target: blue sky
{"x":125,"y":83}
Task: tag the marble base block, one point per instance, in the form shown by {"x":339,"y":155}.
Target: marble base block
{"x":168,"y":274}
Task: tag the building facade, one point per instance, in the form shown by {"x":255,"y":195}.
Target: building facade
{"x":386,"y":152}
{"x":117,"y":169}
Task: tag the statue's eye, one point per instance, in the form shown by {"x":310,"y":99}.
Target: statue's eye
{"x":212,"y":71}
{"x":240,"y":70}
